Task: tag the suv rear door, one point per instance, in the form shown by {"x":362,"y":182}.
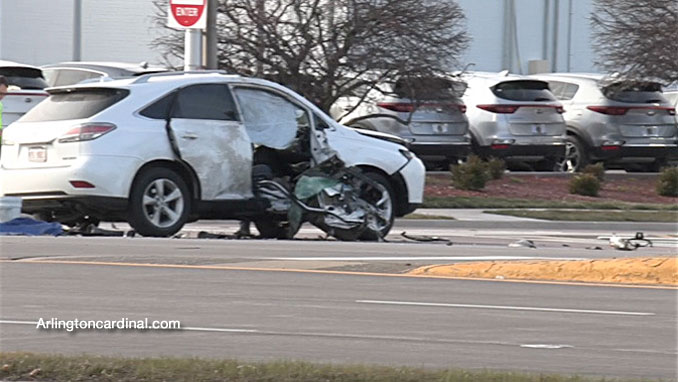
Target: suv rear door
{"x":642,"y":110}
{"x":530,"y":108}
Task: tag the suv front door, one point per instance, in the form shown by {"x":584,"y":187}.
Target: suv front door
{"x":212,"y":140}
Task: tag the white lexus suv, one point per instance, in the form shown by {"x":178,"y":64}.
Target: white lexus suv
{"x":160,"y":150}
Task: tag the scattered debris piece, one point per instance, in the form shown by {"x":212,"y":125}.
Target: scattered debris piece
{"x":596,"y":248}
{"x":6,"y":367}
{"x":29,"y":227}
{"x":629,"y":244}
{"x":425,"y":238}
{"x":523,"y":243}
{"x":34,"y":373}
{"x":91,"y":229}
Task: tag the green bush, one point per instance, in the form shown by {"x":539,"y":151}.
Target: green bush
{"x":496,"y":168}
{"x":667,"y":184}
{"x":585,"y":184}
{"x":471,"y":175}
{"x":597,"y":170}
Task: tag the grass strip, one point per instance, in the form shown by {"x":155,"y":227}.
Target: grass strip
{"x":596,"y":216}
{"x":37,"y":367}
{"x":492,"y":202}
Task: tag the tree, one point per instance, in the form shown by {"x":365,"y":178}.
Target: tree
{"x":326,"y":49}
{"x":637,"y":38}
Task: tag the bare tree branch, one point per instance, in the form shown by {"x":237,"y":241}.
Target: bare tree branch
{"x":637,"y":38}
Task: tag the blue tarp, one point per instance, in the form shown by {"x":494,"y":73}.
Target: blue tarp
{"x":30,"y":227}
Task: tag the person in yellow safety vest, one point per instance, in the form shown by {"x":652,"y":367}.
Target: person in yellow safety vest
{"x":3,"y":92}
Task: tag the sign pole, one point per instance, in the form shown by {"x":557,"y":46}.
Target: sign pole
{"x":192,"y":50}
{"x":191,"y":16}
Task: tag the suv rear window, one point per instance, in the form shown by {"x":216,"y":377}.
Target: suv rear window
{"x":77,"y":104}
{"x":24,"y":78}
{"x":429,"y":88}
{"x":523,"y":90}
{"x":635,"y":92}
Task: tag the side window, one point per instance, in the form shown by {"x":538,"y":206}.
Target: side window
{"x":160,"y":108}
{"x":208,"y":101}
{"x":563,"y":91}
{"x":270,"y":119}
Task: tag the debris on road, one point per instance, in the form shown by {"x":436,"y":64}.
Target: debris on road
{"x":629,"y":244}
{"x":523,"y":243}
{"x":425,"y":238}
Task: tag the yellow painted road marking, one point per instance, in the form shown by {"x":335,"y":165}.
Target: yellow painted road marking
{"x":327,"y":272}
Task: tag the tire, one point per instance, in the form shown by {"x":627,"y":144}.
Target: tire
{"x":387,"y":206}
{"x":274,"y":229}
{"x":575,"y":158}
{"x":159,"y":203}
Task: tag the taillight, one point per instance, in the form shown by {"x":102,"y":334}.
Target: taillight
{"x":81,"y":184}
{"x":462,"y":108}
{"x":399,"y":107}
{"x":609,"y":110}
{"x":560,"y":109}
{"x":86,"y":132}
{"x":501,"y":109}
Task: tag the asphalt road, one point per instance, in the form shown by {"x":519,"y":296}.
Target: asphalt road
{"x":266,"y":300}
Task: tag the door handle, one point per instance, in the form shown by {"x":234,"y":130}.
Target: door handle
{"x":190,"y":136}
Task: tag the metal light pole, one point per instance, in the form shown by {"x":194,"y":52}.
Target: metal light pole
{"x":77,"y":30}
{"x":211,"y":38}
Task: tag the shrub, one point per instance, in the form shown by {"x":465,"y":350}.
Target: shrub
{"x":667,"y":184}
{"x":597,"y":170}
{"x":585,"y":184}
{"x":496,"y":168}
{"x":471,"y":175}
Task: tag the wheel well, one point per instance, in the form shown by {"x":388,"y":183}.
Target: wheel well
{"x":398,"y":186}
{"x":186,"y":173}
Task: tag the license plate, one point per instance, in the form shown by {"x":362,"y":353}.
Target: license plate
{"x":37,"y":154}
{"x":440,"y":128}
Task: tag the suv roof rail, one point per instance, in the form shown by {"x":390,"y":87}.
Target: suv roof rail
{"x":144,"y":78}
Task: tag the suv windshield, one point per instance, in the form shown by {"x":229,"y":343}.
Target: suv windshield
{"x":78,"y":104}
{"x":635,"y":92}
{"x":428,"y":88}
{"x":523,"y":90}
{"x":24,"y":78}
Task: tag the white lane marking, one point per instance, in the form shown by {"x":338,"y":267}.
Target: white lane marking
{"x":501,"y":307}
{"x":414,"y":258}
{"x":546,"y":346}
{"x":187,"y":328}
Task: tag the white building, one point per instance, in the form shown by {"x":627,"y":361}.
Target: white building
{"x":506,"y":34}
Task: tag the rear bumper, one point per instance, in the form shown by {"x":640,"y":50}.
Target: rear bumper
{"x":522,"y":151}
{"x":637,"y":152}
{"x":101,"y":207}
{"x":440,"y":151}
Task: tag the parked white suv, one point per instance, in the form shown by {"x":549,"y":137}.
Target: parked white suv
{"x":162,"y":149}
{"x":515,"y":118}
{"x":627,"y":124}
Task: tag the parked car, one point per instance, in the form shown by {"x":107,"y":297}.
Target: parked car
{"x":427,"y":112}
{"x":515,"y":118}
{"x":71,"y":73}
{"x":162,"y":149}
{"x":26,"y":85}
{"x":627,"y":124}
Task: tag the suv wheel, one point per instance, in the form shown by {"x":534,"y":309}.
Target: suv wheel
{"x":575,"y":157}
{"x":383,"y":199}
{"x":159,"y":203}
